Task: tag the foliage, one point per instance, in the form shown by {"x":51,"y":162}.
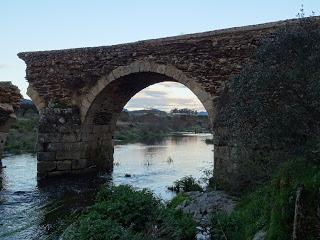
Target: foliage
{"x":272,"y":207}
{"x":178,"y":199}
{"x":186,"y":184}
{"x":184,"y":111}
{"x":271,"y":109}
{"x":150,"y":127}
{"x":22,"y":136}
{"x":123,"y":213}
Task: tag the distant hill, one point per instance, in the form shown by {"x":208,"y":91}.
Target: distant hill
{"x":26,"y":102}
{"x":147,"y":111}
{"x":27,"y":109}
{"x":202,"y":113}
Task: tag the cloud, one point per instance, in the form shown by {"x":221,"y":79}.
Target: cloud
{"x":2,"y":66}
{"x":155,"y":94}
{"x":165,"y":96}
{"x":173,"y":84}
{"x":165,"y":104}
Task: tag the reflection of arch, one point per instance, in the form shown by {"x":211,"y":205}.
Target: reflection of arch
{"x":147,"y":73}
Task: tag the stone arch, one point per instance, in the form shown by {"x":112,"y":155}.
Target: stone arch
{"x":168,"y":71}
{"x":101,"y":107}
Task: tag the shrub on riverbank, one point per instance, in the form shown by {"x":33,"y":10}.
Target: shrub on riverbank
{"x":271,"y":208}
{"x":186,"y":184}
{"x":22,"y":136}
{"x":123,"y":213}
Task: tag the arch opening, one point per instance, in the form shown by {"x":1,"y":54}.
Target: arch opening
{"x":99,"y":122}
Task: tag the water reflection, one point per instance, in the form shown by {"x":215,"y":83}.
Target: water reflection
{"x":29,"y":211}
{"x":149,"y":166}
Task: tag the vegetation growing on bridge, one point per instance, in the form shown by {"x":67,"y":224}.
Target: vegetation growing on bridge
{"x":271,"y":207}
{"x":271,"y":110}
{"x":273,"y":107}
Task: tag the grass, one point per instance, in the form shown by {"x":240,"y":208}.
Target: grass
{"x":178,"y":199}
{"x":22,"y":136}
{"x":271,"y":207}
{"x":139,"y":134}
{"x":124,"y":213}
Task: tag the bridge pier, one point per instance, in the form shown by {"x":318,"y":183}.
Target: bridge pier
{"x":65,"y":147}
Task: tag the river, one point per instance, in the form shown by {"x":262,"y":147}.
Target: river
{"x":29,"y":211}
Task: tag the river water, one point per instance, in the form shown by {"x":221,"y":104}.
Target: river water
{"x":30,"y":211}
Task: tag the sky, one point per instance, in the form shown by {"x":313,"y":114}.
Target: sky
{"x":33,"y":25}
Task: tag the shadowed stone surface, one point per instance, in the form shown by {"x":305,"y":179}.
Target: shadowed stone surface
{"x":81,"y":92}
{"x":9,"y":101}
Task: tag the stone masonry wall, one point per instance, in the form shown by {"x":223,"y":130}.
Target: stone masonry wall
{"x":9,"y":101}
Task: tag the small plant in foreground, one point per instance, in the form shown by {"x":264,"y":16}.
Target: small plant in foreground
{"x":186,"y":184}
{"x":177,"y":200}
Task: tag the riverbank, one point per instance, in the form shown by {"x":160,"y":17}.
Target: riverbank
{"x":145,"y":126}
{"x":42,"y":214}
{"x":288,"y":205}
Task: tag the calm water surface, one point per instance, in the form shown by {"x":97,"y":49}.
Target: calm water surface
{"x":29,"y":211}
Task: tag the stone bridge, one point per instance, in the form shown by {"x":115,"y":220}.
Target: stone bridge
{"x":81,"y":92}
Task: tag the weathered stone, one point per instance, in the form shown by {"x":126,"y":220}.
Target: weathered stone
{"x":201,"y":205}
{"x":66,"y":155}
{"x":79,"y":163}
{"x":64,"y":165}
{"x":46,"y":166}
{"x":46,"y":156}
{"x":9,"y":101}
{"x":58,"y":173}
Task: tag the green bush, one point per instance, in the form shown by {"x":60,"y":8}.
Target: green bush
{"x":123,"y":213}
{"x":22,"y":136}
{"x":186,"y":184}
{"x":178,"y":199}
{"x":94,"y":226}
{"x":272,"y":207}
{"x":271,"y":109}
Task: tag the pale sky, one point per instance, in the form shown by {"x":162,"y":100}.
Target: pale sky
{"x":33,"y":25}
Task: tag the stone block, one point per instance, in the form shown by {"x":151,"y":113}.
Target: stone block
{"x":67,"y":155}
{"x":64,"y":165}
{"x":69,"y":146}
{"x":84,"y":171}
{"x":145,"y":67}
{"x":46,"y":156}
{"x":135,"y":66}
{"x":49,"y":137}
{"x":70,"y":137}
{"x":59,"y":173}
{"x":79,"y":163}
{"x":46,"y":166}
